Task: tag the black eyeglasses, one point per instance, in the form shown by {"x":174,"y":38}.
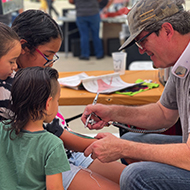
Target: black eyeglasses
{"x":139,"y":42}
{"x":49,"y":61}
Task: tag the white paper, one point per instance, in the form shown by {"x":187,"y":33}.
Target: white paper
{"x":104,"y":84}
{"x":72,"y":81}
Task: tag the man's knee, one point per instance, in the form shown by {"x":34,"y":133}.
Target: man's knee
{"x":130,"y":177}
{"x":137,"y":176}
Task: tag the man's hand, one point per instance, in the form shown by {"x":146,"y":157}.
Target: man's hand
{"x":100,"y":115}
{"x":107,"y":149}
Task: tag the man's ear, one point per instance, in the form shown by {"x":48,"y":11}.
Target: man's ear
{"x":23,"y":45}
{"x":168,"y":28}
{"x":48,"y":103}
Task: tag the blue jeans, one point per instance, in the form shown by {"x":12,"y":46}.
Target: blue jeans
{"x":152,"y":138}
{"x":87,"y":25}
{"x":152,"y":175}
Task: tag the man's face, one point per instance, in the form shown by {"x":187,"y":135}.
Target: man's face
{"x":157,"y":47}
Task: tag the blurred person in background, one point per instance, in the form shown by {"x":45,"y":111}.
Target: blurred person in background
{"x":52,"y":8}
{"x":88,"y":22}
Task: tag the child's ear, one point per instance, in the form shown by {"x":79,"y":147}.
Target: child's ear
{"x":48,"y":106}
{"x":24,"y":48}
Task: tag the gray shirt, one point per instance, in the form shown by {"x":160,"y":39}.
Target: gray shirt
{"x":176,"y":96}
{"x":87,"y":7}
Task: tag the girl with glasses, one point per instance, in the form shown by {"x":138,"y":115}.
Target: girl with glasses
{"x":40,"y":37}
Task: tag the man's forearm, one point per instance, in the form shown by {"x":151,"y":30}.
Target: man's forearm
{"x":147,"y":116}
{"x":172,"y":154}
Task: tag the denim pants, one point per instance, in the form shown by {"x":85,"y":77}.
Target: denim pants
{"x":90,"y":25}
{"x":153,"y":175}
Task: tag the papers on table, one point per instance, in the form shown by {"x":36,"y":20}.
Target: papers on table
{"x":104,"y":84}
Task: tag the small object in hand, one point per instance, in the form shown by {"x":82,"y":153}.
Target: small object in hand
{"x":92,"y":122}
{"x":94,"y":102}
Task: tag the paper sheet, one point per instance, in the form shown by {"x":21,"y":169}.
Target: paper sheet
{"x":104,"y":84}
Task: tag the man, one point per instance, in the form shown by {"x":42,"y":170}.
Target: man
{"x":88,"y":22}
{"x":160,"y":28}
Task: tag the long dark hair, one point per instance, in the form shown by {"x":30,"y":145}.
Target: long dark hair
{"x":36,"y":27}
{"x":31,"y":88}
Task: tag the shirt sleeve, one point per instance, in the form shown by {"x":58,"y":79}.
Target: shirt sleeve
{"x":168,"y":98}
{"x":57,"y":161}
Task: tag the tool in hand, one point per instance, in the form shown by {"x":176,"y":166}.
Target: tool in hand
{"x":89,"y":117}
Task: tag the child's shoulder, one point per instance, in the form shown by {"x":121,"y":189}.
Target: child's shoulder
{"x":52,"y":144}
{"x":51,"y":137}
{"x":41,"y":139}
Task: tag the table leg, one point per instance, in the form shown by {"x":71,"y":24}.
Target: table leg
{"x":66,"y":40}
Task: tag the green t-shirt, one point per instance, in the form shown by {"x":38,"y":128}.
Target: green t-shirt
{"x":26,"y":160}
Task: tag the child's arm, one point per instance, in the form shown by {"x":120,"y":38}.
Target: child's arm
{"x":71,"y":141}
{"x":74,"y":142}
{"x":54,"y":182}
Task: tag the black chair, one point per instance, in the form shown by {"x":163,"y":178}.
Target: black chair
{"x":134,"y":55}
{"x":73,"y":118}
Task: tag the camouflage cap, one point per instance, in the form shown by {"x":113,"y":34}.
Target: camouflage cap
{"x":146,"y":12}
